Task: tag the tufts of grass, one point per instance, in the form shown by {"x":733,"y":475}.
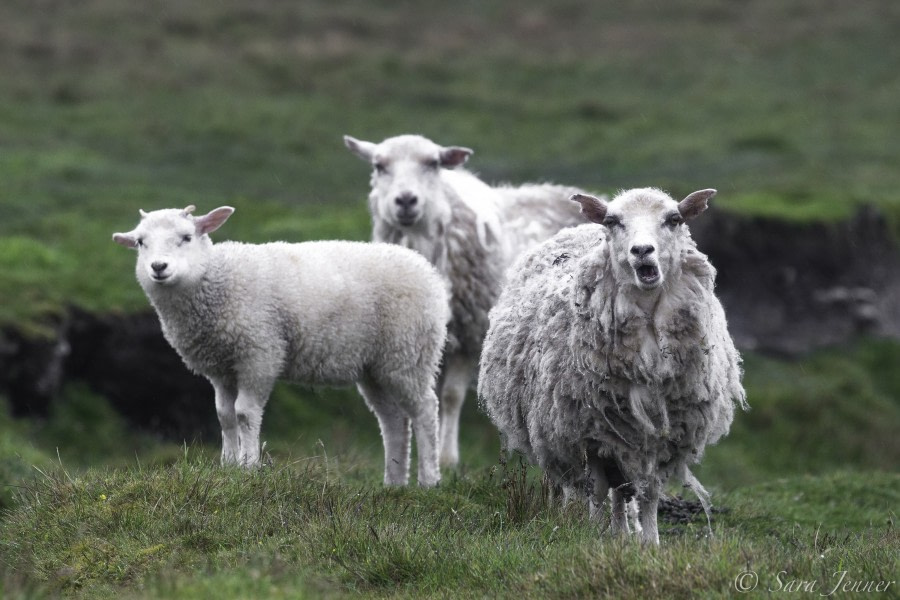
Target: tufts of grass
{"x":19,"y":457}
{"x":307,"y":528}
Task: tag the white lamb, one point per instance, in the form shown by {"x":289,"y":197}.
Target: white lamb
{"x":334,"y":313}
{"x":469,"y":230}
{"x":608,"y":361}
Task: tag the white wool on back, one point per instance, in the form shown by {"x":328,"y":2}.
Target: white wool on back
{"x":534,"y":212}
{"x":573,"y":367}
{"x":317,"y":312}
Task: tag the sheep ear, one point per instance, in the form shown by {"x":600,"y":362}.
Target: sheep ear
{"x":213,"y":220}
{"x":594,"y":209}
{"x":695,"y":203}
{"x":364,"y":150}
{"x":453,"y":156}
{"x":143,"y":213}
{"x":125,"y":239}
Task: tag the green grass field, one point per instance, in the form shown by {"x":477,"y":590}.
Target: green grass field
{"x":107,"y":107}
{"x":788,"y":109}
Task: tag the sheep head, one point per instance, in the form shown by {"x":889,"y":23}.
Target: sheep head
{"x":645,"y":231}
{"x":172,"y":245}
{"x":406,"y":176}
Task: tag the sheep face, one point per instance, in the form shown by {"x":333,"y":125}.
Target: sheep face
{"x":406,"y":176}
{"x":172,"y":245}
{"x":644,"y":229}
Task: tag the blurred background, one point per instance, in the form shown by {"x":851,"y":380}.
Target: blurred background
{"x":790,"y":109}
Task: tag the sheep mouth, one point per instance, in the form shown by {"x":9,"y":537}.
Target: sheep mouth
{"x":647,"y":274}
{"x":160,"y":277}
{"x":407,"y":220}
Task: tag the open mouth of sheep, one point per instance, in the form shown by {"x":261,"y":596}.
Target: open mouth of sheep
{"x":647,"y":273}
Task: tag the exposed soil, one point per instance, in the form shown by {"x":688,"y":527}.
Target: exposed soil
{"x":787,"y":289}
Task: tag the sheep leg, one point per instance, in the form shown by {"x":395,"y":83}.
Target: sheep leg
{"x":648,"y":502}
{"x":395,"y":432}
{"x":425,"y":426}
{"x":248,"y":409}
{"x":225,"y":399}
{"x":455,"y":381}
{"x":619,"y":520}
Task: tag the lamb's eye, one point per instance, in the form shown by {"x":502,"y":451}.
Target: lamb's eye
{"x":140,"y":242}
{"x":612,"y":221}
{"x":432,"y":163}
{"x":185,"y":239}
{"x":381,"y":168}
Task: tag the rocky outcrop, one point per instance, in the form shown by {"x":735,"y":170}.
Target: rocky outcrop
{"x":789,"y":288}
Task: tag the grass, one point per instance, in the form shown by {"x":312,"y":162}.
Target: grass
{"x":305,"y":528}
{"x":787,"y":109}
{"x":808,"y":480}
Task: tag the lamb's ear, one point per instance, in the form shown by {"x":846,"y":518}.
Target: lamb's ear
{"x":364,"y":150}
{"x":453,"y":156}
{"x":593,"y":208}
{"x":213,"y":220}
{"x":125,"y":239}
{"x":695,"y":203}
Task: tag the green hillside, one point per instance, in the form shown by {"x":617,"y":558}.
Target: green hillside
{"x":789,"y":109}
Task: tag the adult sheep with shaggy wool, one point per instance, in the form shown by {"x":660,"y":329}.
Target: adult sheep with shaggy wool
{"x":608,"y":361}
{"x":469,"y":230}
{"x":329,"y":312}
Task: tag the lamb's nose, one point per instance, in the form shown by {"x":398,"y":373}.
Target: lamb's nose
{"x":159,"y":267}
{"x":642,"y":251}
{"x":406,"y":200}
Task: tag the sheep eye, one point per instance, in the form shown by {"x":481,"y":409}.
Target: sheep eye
{"x":381,"y":168}
{"x":140,"y":242}
{"x":186,"y":239}
{"x":674,"y":220}
{"x":432,"y":164}
{"x":611,"y":221}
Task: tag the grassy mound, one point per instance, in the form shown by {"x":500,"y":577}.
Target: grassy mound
{"x":307,"y":528}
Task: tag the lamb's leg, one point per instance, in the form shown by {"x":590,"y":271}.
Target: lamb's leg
{"x":249,"y":412}
{"x":455,"y":381}
{"x":395,"y":433}
{"x":425,"y":426}
{"x":225,"y":399}
{"x":648,"y":502}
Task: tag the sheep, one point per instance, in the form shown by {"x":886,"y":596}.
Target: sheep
{"x":608,"y":360}
{"x":469,"y":230}
{"x":324,"y":312}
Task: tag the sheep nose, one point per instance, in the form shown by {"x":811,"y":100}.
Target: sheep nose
{"x":159,"y":267}
{"x":406,"y":200}
{"x":642,"y":251}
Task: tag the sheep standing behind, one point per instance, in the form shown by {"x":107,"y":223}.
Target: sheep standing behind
{"x":608,"y":361}
{"x":334,"y":313}
{"x":469,"y":230}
